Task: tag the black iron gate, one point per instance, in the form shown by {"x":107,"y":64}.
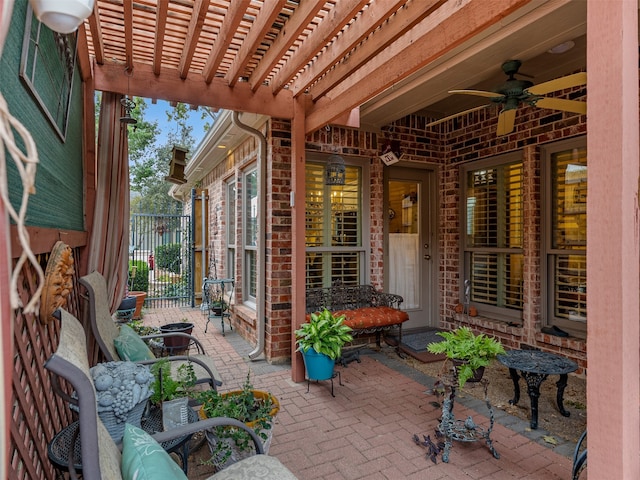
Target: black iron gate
{"x":160,"y":248}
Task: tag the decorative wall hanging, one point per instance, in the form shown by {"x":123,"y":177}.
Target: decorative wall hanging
{"x":58,"y":281}
{"x":49,"y":78}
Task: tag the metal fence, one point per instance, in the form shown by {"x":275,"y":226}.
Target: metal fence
{"x":160,"y":247}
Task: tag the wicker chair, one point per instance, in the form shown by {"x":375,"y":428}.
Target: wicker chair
{"x":100,"y":456}
{"x":105,"y":331}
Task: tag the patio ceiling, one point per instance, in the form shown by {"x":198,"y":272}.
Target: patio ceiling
{"x":353,"y":62}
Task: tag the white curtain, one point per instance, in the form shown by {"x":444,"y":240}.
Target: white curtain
{"x":110,"y":234}
{"x":404,"y":271}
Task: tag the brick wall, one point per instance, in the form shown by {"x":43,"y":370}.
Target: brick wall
{"x":446,"y":146}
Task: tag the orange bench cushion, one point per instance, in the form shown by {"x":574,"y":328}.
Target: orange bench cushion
{"x":371,"y":317}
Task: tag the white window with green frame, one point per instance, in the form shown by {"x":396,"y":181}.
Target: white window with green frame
{"x":492,"y":236}
{"x":250,"y":210}
{"x":336,"y":227}
{"x":565,"y":244}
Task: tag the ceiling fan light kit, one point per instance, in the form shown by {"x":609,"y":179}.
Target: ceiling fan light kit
{"x":514,"y":92}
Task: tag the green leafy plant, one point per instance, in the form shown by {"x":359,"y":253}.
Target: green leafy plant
{"x":324,"y":333}
{"x":141,"y":329}
{"x":138,"y":281}
{"x":168,"y":257}
{"x":253,"y":407}
{"x":473,"y":351}
{"x":165,"y":387}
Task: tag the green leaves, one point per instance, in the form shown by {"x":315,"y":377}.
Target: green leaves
{"x":324,"y":333}
{"x":474,"y":351}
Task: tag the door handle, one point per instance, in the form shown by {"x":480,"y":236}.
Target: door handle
{"x":427,"y":257}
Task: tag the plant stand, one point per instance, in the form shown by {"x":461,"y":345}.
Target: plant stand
{"x":217,"y":295}
{"x":335,"y":374}
{"x":462,"y":430}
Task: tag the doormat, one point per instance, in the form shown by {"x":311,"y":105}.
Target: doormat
{"x":415,"y":344}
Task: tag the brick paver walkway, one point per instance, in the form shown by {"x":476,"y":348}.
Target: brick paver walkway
{"x":366,"y":431}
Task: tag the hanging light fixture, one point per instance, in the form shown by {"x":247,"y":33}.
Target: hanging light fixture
{"x":335,"y":171}
{"x":127,"y":103}
{"x":62,"y":16}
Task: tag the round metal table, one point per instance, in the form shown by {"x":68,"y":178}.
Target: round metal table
{"x":67,"y":441}
{"x":535,"y":366}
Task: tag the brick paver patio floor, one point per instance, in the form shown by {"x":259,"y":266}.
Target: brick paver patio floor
{"x":366,"y":431}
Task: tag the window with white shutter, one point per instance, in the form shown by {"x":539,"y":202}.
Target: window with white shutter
{"x":334,"y":225}
{"x":492,"y":235}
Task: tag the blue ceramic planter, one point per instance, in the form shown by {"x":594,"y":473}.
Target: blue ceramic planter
{"x":319,"y":366}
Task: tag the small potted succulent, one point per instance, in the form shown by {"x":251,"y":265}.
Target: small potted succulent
{"x":321,"y":340}
{"x":469,"y":353}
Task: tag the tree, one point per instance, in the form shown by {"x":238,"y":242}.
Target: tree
{"x":149,"y":162}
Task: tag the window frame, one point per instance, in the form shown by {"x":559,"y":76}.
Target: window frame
{"x":247,"y":298}
{"x":365,"y":207}
{"x":506,"y":314}
{"x":548,"y":254}
{"x":231,"y":187}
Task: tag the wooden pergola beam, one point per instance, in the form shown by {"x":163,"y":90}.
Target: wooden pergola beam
{"x":432,"y":38}
{"x":193,"y":90}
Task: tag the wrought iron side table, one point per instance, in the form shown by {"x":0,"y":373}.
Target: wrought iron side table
{"x":462,"y":430}
{"x":217,"y":294}
{"x":535,"y":366}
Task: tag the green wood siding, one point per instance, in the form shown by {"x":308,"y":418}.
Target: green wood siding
{"x":58,"y":199}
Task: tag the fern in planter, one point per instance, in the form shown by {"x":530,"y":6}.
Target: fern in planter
{"x":472,"y":351}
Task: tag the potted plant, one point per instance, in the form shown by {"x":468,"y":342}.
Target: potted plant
{"x":470,"y":353}
{"x":165,"y":387}
{"x":256,"y":408}
{"x":320,"y":340}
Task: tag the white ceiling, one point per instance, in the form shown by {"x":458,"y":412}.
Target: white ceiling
{"x":476,"y":64}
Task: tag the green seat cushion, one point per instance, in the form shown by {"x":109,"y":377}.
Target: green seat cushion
{"x":131,"y":347}
{"x":144,"y":459}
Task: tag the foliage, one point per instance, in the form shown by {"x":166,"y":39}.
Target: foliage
{"x":139,"y":282}
{"x":165,"y":387}
{"x":168,"y":257}
{"x":324,"y":333}
{"x":176,"y":289}
{"x":474,"y":351}
{"x":141,"y":329}
{"x":242,"y":405}
{"x":150,"y":162}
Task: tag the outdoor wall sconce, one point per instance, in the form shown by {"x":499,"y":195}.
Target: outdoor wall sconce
{"x":62,"y":17}
{"x":335,"y":171}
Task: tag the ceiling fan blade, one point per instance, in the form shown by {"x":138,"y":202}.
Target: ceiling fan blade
{"x":506,"y":121}
{"x":561,"y":83}
{"x":459,"y":114}
{"x":561,"y":104}
{"x":478,"y":93}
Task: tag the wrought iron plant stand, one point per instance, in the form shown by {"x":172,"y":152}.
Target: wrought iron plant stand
{"x":462,"y":430}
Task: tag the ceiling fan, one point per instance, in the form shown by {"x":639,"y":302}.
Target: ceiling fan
{"x":513,"y":92}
